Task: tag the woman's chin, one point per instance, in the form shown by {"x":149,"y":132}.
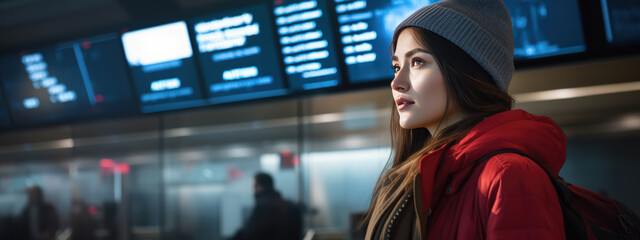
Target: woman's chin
{"x":407,"y":125}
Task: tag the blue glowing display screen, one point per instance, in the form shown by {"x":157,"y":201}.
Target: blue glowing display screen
{"x":366,"y":29}
{"x":544,"y":28}
{"x":308,"y":48}
{"x":72,"y":80}
{"x":238,"y":55}
{"x":162,"y":67}
{"x":621,"y":21}
{"x":541,"y":28}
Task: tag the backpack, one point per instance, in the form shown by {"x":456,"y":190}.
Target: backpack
{"x":587,"y":214}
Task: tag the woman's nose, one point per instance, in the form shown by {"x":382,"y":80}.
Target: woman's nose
{"x":399,"y":82}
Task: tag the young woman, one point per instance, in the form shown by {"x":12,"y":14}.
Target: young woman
{"x":453,"y":62}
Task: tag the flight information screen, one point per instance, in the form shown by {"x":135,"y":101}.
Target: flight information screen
{"x":71,"y":80}
{"x":541,"y":28}
{"x":306,"y":37}
{"x":621,"y":20}
{"x":544,"y":28}
{"x":238,"y":55}
{"x":366,"y":29}
{"x":162,"y":67}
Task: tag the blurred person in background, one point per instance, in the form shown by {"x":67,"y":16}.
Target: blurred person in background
{"x":39,"y":219}
{"x":82,"y":223}
{"x":272,"y":217}
{"x":453,"y":62}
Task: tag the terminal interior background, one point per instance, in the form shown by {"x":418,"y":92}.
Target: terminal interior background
{"x":187,"y":174}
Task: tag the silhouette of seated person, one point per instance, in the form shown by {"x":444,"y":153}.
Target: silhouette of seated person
{"x":273,"y":217}
{"x":39,"y":220}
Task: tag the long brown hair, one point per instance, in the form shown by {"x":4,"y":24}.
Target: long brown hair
{"x":468,"y":85}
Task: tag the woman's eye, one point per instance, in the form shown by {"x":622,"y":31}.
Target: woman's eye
{"x":416,"y":62}
{"x":395,"y":68}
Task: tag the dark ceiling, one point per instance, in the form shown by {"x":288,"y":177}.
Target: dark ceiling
{"x":27,"y":23}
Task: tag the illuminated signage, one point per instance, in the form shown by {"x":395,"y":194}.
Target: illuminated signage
{"x":163,"y":68}
{"x":71,"y":80}
{"x":238,"y":55}
{"x":307,"y":44}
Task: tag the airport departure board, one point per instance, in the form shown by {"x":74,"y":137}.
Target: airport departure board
{"x":541,"y":28}
{"x":366,"y":29}
{"x":238,"y":55}
{"x":71,"y":80}
{"x":163,"y":68}
{"x":256,"y":51}
{"x":306,"y":36}
{"x":621,"y":21}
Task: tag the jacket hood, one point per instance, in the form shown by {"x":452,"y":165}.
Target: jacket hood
{"x":537,"y":136}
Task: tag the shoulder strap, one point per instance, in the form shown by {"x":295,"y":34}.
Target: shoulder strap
{"x":500,"y":152}
{"x":559,"y":184}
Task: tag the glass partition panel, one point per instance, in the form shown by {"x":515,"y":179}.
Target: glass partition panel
{"x":116,"y":180}
{"x":346,"y":146}
{"x":31,"y":176}
{"x":211,"y":157}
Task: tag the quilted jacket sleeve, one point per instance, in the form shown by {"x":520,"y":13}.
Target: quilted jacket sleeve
{"x":522,"y":202}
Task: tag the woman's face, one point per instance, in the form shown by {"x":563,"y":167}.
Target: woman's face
{"x":418,"y":88}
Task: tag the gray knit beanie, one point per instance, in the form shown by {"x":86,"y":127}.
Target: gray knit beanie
{"x":482,"y":28}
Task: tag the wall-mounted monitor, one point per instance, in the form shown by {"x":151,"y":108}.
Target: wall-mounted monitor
{"x":238,"y":55}
{"x":257,"y":51}
{"x":71,"y":80}
{"x":308,"y":47}
{"x":365,"y":31}
{"x":621,"y":21}
{"x":541,"y":28}
{"x":162,"y":67}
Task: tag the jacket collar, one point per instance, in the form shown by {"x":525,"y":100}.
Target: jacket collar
{"x":444,"y":170}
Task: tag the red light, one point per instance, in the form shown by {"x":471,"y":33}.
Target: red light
{"x":93,"y":210}
{"x":124,"y":168}
{"x":86,"y":45}
{"x":234,"y":173}
{"x":108,"y":167}
{"x":107,"y":163}
{"x":288,"y":160}
{"x":278,"y":2}
{"x":285,"y":153}
{"x":23,"y":52}
{"x":99,"y":98}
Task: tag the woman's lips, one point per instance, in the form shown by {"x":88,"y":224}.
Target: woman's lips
{"x":403,"y":103}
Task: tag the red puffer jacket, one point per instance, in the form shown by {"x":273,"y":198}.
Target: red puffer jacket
{"x":507,"y":196}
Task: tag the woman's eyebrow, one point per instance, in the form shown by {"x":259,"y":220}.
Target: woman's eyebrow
{"x":411,"y":53}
